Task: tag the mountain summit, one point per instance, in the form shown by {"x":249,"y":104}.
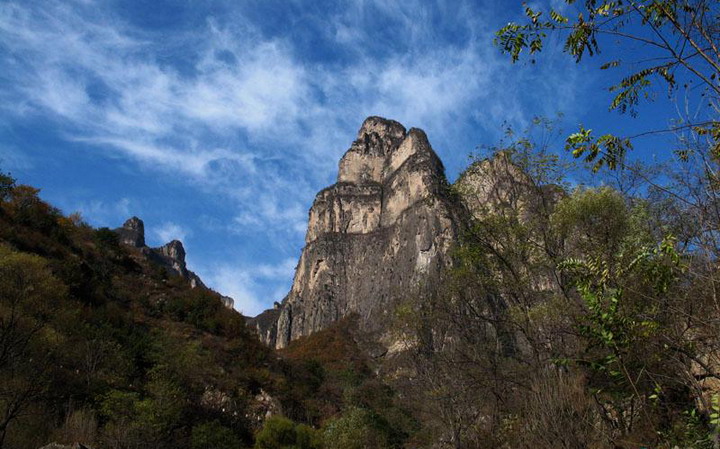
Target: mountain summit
{"x":381,"y":232}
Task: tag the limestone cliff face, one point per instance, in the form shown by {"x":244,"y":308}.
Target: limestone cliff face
{"x":173,"y":255}
{"x":383,"y":231}
{"x":497,"y":186}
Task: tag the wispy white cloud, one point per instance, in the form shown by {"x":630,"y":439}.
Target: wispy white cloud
{"x":199,"y":164}
{"x":62,"y":57}
{"x":99,"y":212}
{"x":253,"y":287}
{"x":427,"y":89}
{"x":242,"y":114}
{"x":168,"y":231}
{"x":13,"y":159}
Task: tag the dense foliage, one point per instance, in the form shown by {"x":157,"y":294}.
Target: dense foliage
{"x":576,"y":319}
{"x":574,"y":316}
{"x":99,"y":345}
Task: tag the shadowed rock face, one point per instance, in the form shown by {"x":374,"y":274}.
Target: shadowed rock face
{"x":171,"y":255}
{"x":382,"y":232}
{"x":132,"y":233}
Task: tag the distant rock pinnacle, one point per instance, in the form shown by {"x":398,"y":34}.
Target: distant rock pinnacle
{"x":132,"y":232}
{"x":171,"y":255}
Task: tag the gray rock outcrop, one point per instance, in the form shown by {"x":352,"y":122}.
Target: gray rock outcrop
{"x":383,"y":231}
{"x":171,"y":256}
{"x":228,"y":302}
{"x":132,"y":233}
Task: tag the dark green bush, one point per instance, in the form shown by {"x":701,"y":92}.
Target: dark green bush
{"x":357,"y":428}
{"x":106,"y":237}
{"x":282,"y":433}
{"x":213,"y":435}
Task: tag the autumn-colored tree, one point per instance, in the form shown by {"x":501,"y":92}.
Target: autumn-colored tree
{"x":28,"y":296}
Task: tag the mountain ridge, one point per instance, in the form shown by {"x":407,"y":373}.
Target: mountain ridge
{"x":171,"y":255}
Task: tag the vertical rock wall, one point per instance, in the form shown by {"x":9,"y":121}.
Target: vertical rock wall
{"x":383,"y":231}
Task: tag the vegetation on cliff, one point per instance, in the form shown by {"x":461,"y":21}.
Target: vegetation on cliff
{"x":574,"y":316}
{"x":587,"y":323}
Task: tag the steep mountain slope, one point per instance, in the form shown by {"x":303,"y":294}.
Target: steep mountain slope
{"x":171,"y":255}
{"x":383,"y":231}
{"x":107,"y":342}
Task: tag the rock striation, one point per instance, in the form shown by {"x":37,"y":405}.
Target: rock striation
{"x":383,"y":231}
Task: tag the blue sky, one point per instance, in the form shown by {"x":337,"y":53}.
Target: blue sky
{"x":216,"y":122}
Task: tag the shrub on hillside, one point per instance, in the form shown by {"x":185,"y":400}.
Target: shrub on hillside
{"x":213,"y":435}
{"x":282,"y":433}
{"x":357,"y":428}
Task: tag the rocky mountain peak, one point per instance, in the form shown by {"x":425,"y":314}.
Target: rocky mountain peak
{"x":136,"y":224}
{"x":381,"y":231}
{"x":381,"y":147}
{"x":132,"y":232}
{"x":171,"y":255}
{"x":174,"y":250}
{"x":382,"y":128}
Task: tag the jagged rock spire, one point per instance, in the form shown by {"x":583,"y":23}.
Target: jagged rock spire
{"x":174,"y":250}
{"x":383,"y":230}
{"x":171,"y":255}
{"x":132,"y":232}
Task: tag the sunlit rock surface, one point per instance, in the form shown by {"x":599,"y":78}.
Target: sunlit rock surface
{"x":382,"y":232}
